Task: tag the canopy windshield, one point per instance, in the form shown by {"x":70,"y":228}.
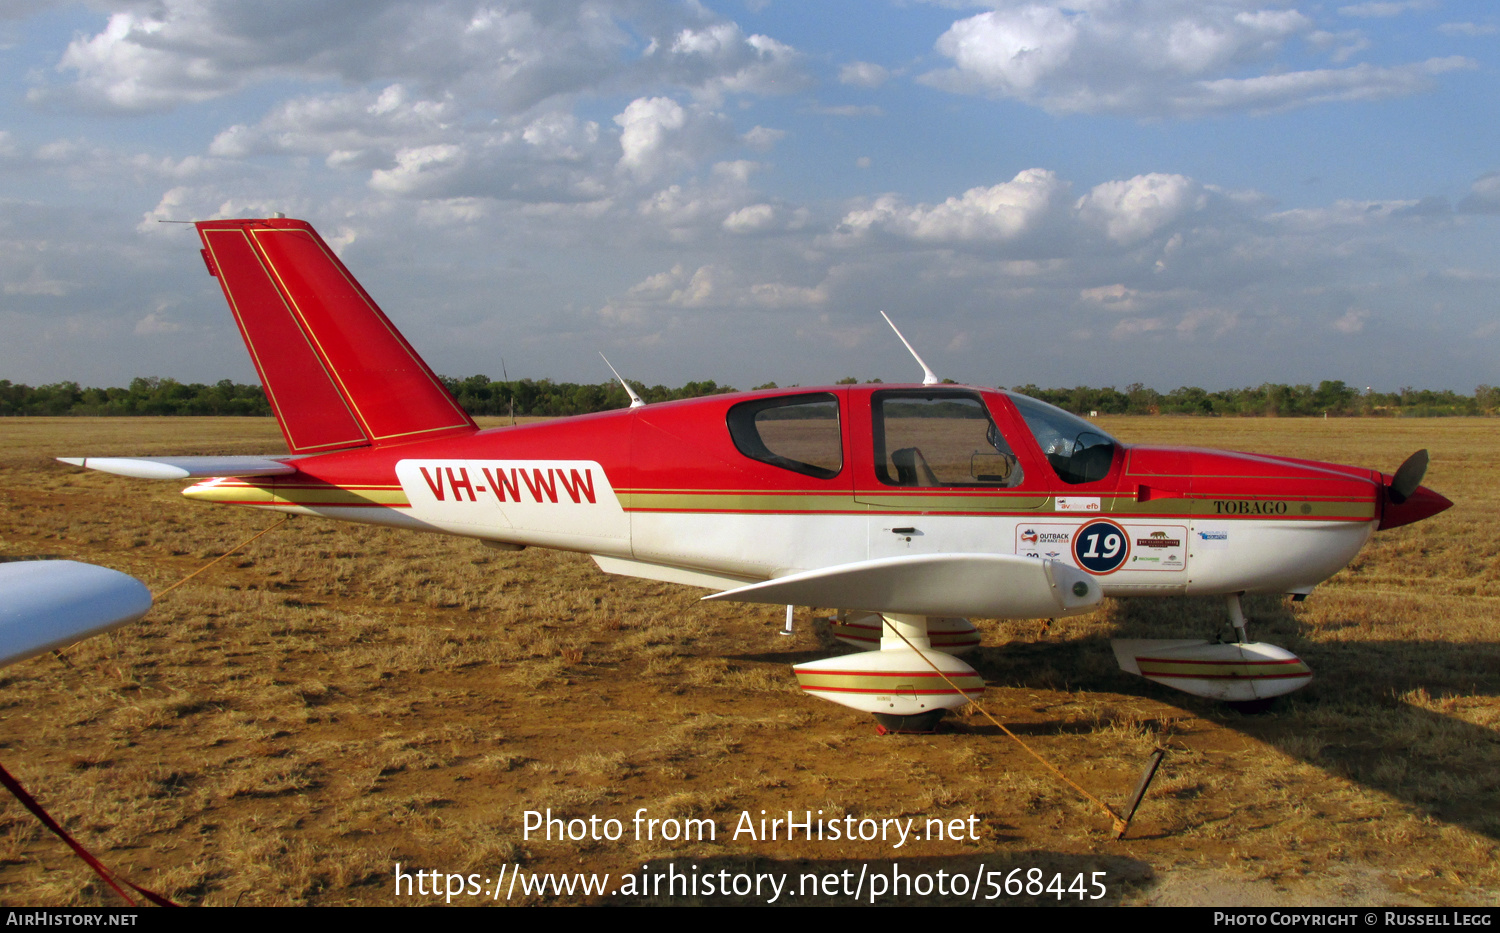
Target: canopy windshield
{"x":1079,"y":451}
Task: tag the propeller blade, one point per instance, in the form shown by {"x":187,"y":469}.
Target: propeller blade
{"x":1408,"y":477}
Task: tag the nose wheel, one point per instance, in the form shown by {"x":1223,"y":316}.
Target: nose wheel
{"x":1245,"y":674}
{"x":1237,"y":619}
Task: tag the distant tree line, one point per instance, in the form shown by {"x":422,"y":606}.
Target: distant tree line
{"x":480,"y":395}
{"x":145,"y":396}
{"x":1332,"y":398}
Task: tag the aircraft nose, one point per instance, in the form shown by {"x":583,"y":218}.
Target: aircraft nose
{"x":1423,"y":503}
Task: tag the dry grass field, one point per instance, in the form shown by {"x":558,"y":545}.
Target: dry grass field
{"x":337,"y":699}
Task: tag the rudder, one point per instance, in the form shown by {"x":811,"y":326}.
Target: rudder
{"x":336,"y":371}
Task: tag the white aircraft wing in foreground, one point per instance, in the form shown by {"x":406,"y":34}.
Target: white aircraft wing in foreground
{"x":50,"y":604}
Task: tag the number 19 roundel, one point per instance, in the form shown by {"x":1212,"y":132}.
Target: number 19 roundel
{"x":1101,"y":547}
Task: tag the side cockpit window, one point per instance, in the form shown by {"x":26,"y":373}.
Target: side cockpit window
{"x":795,"y":432}
{"x":928,"y":438}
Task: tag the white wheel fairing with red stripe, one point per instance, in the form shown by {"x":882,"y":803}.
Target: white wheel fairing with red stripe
{"x":897,"y":681}
{"x":1236,"y":673}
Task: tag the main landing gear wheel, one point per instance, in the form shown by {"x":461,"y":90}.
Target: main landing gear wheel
{"x":917,"y":724}
{"x":907,"y":684}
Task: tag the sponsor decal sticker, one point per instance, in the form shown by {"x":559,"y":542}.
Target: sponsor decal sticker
{"x":1158,"y":538}
{"x":1103,"y":546}
{"x":1044,"y":540}
{"x":1077,"y":503}
{"x":1158,"y":547}
{"x":1209,"y":538}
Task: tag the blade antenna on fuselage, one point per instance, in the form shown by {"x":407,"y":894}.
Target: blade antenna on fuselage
{"x":929,"y":378}
{"x":635,"y":400}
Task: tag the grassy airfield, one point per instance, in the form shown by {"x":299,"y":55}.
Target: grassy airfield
{"x":337,"y":699}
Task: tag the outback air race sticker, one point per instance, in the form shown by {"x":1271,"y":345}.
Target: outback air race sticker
{"x":1101,"y":547}
{"x":1049,"y":542}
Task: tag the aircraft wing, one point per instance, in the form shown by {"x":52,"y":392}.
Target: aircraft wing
{"x":50,"y":604}
{"x":183,"y":467}
{"x":1000,"y":586}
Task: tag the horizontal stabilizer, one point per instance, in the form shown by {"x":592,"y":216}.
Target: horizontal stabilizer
{"x":992,"y":586}
{"x":50,"y":604}
{"x":183,"y":467}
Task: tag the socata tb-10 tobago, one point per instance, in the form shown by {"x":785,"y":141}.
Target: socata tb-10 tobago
{"x":906,"y":508}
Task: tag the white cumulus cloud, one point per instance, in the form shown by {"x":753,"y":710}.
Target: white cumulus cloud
{"x":1001,"y":212}
{"x":645,"y":126}
{"x":509,"y":55}
{"x":1177,"y":59}
{"x":753,"y":219}
{"x":864,"y":74}
{"x":1135,"y":209}
{"x":1483,"y":196}
{"x":1034,"y":212}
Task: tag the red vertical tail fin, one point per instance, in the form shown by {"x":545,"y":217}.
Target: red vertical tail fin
{"x":336,"y":371}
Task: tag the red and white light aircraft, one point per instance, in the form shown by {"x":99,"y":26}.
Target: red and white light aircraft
{"x":906,"y":507}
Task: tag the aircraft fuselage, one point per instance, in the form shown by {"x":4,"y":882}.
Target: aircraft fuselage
{"x":671,"y":492}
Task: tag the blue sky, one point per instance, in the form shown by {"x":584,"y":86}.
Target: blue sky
{"x":1215,"y":193}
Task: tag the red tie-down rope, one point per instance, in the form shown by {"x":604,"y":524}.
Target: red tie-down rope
{"x":29,"y":802}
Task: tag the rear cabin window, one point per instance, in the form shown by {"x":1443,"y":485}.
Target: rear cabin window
{"x":795,"y":432}
{"x":936,"y":438}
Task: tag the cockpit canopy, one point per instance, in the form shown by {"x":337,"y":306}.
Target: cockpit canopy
{"x":1078,"y":451}
{"x":925,"y":437}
